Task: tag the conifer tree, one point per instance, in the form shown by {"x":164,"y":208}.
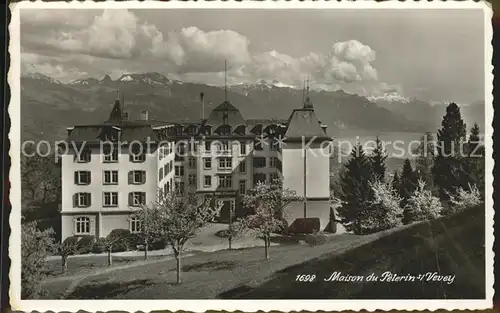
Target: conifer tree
{"x":407,"y":185}
{"x":395,"y":181}
{"x":425,"y":159}
{"x":475,"y":164}
{"x":356,"y":192}
{"x":377,"y":160}
{"x":449,"y":169}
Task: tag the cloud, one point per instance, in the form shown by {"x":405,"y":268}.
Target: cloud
{"x":117,"y":41}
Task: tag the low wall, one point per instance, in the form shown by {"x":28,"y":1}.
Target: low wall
{"x":319,"y":209}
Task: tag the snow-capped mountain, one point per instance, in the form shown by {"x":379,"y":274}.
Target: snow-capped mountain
{"x":41,"y":78}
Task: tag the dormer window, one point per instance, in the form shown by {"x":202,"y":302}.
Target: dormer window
{"x":224,"y":130}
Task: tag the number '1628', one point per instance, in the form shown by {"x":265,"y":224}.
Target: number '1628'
{"x":305,"y":277}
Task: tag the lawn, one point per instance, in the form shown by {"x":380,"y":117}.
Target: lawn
{"x":450,"y":246}
{"x":205,"y":274}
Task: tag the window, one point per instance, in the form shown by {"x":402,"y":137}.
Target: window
{"x":160,"y":174}
{"x":225,"y":163}
{"x":167,"y":187}
{"x":110,"y":199}
{"x":225,"y":146}
{"x":179,"y":170}
{"x":225,"y":130}
{"x":83,"y":157}
{"x":208,"y":146}
{"x":136,"y":177}
{"x":207,"y":181}
{"x":110,"y":178}
{"x":192,"y":179}
{"x":136,"y":198}
{"x":243,"y":166}
{"x":136,"y":155}
{"x":82,"y":177}
{"x":273,"y":177}
{"x":259,"y":178}
{"x":135,"y":225}
{"x":179,"y":186}
{"x":82,"y":225}
{"x":192,"y":163}
{"x":243,"y":148}
{"x":207,"y":163}
{"x":110,"y":156}
{"x":243,"y":187}
{"x":81,"y":200}
{"x":273,"y":162}
{"x":259,"y":162}
{"x":275,"y":144}
{"x":225,"y":181}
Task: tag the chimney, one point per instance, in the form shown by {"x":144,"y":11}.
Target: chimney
{"x":324,"y":127}
{"x":144,"y":115}
{"x":202,"y":100}
{"x":69,"y":130}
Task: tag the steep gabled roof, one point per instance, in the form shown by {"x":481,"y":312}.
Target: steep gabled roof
{"x":225,"y":106}
{"x":116,"y":115}
{"x":303,"y":123}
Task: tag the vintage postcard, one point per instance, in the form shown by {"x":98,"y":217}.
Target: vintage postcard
{"x":251,"y":156}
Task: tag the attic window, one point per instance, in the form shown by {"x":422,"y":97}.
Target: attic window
{"x":224,"y":118}
{"x":224,"y":130}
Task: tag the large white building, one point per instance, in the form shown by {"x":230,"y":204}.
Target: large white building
{"x":224,"y":154}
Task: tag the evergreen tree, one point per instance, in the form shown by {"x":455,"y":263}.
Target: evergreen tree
{"x":407,"y":185}
{"x":396,"y":181}
{"x":475,"y":164}
{"x":356,"y":192}
{"x":449,"y":169}
{"x":377,"y":160}
{"x":425,"y":159}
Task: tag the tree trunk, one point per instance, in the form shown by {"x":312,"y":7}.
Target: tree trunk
{"x":266,"y":247}
{"x":110,"y":257}
{"x":64,"y":264}
{"x":230,"y":240}
{"x":179,"y":267}
{"x":146,"y":251}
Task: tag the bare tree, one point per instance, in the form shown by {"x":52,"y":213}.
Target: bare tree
{"x":269,"y":202}
{"x":177,"y":218}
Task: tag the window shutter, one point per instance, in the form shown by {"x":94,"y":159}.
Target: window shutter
{"x":130,"y":199}
{"x":89,"y":155}
{"x":130,"y":157}
{"x":90,"y":177}
{"x":75,"y":203}
{"x":89,"y":199}
{"x":76,"y":178}
{"x":143,"y":177}
{"x":130,"y":177}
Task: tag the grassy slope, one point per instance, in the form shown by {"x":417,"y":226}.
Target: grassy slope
{"x":457,"y":243}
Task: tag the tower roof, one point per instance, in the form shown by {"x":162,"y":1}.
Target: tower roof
{"x":303,"y":123}
{"x":116,"y":115}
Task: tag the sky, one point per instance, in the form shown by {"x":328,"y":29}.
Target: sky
{"x":433,"y":55}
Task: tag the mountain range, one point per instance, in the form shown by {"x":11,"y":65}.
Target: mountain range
{"x":48,"y":106}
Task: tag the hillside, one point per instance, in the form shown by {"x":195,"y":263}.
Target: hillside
{"x":48,"y":106}
{"x":432,"y":114}
{"x":450,"y":245}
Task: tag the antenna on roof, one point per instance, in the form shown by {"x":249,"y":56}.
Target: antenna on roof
{"x":225,"y":80}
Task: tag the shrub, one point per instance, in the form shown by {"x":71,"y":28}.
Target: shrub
{"x":36,"y":246}
{"x":309,"y":225}
{"x":422,"y":205}
{"x":86,"y":244}
{"x":158,"y":244}
{"x":316,"y":239}
{"x":118,"y":239}
{"x":464,"y":199}
{"x":384,"y":211}
{"x":99,"y":245}
{"x":133,"y":241}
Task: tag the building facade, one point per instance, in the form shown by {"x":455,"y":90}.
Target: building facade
{"x":120,"y":164}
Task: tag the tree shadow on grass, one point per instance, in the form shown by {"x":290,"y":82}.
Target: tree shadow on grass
{"x":210,"y":266}
{"x":107,"y":290}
